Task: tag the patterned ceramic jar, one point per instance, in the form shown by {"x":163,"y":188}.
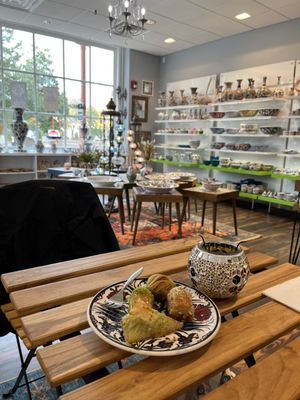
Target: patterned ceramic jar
{"x":220,"y":270}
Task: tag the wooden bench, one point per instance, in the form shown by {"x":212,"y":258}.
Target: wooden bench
{"x":276,"y":377}
{"x":154,"y":379}
{"x":58,"y":361}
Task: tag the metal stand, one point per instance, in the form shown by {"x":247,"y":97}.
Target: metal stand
{"x":22,"y":373}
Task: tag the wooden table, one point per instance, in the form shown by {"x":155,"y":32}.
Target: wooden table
{"x":215,"y":198}
{"x":68,"y":288}
{"x":140,"y":197}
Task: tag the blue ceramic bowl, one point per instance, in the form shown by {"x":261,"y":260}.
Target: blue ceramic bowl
{"x":218,"y":131}
{"x":215,"y":163}
{"x":206,"y":162}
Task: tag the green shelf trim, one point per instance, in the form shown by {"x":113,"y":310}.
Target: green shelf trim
{"x":284,"y":176}
{"x":276,"y":201}
{"x":248,"y":195}
{"x":236,"y":170}
{"x":177,"y":163}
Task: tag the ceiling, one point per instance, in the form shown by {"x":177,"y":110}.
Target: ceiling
{"x":190,"y":22}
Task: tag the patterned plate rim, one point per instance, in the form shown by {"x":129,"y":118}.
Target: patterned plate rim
{"x":165,"y":353}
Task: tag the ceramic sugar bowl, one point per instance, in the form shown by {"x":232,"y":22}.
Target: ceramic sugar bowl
{"x":218,"y":269}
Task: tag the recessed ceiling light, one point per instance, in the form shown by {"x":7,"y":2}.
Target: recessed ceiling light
{"x":170,"y":40}
{"x":242,"y":16}
{"x":150,"y":22}
{"x":47,"y":22}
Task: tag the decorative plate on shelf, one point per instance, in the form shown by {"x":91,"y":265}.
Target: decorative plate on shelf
{"x":106,"y":323}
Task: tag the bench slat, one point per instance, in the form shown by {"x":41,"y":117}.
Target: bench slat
{"x":53,"y":294}
{"x":278,"y":376}
{"x":157,"y":379}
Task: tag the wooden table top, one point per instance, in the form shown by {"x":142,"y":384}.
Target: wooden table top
{"x":219,"y":195}
{"x":69,"y":291}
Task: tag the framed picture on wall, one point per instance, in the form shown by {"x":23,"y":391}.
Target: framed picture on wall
{"x":139,"y":108}
{"x":147,"y":88}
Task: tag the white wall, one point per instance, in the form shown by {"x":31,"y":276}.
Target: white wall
{"x":145,"y":67}
{"x":280,"y":42}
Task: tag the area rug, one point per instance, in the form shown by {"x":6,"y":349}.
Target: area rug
{"x":150,"y":229}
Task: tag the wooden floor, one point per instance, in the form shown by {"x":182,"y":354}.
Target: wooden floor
{"x":275,"y":229}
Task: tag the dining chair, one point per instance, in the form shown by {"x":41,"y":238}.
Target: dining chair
{"x":44,"y":222}
{"x":295,"y":239}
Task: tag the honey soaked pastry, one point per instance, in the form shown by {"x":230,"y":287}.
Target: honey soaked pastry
{"x":180,"y":305}
{"x":160,"y":285}
{"x":143,"y":322}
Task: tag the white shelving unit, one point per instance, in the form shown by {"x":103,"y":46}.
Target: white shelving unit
{"x":275,"y":144}
{"x":12,"y":164}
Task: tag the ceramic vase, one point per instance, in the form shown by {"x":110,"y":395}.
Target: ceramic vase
{"x":20,"y":129}
{"x":39,"y":146}
{"x":218,"y":269}
{"x":131,"y":174}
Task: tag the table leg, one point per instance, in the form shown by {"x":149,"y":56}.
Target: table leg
{"x":185,"y":201}
{"x":133,"y":215}
{"x":121,"y":213}
{"x":112,"y":205}
{"x":128,"y":204}
{"x":139,"y":206}
{"x":196,"y":205}
{"x":189,"y":209}
{"x":170,"y":215}
{"x":203,"y":212}
{"x":178,"y":219}
{"x":214,"y":217}
{"x":163,"y":214}
{"x":234,"y":215}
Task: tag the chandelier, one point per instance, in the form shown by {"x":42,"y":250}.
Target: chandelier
{"x":126,"y":18}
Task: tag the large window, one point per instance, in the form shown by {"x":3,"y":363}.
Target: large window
{"x":82,"y":75}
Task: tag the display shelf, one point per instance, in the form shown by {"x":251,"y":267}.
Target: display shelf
{"x":18,"y":173}
{"x":266,"y":153}
{"x":162,"y":146}
{"x":179,"y":134}
{"x":291,"y":116}
{"x":235,"y":170}
{"x":266,"y":199}
{"x":288,"y":155}
{"x":177,"y":121}
{"x":256,"y":118}
{"x":241,"y":135}
{"x":276,"y":201}
{"x":247,"y":195}
{"x":184,"y":107}
{"x":177,"y":163}
{"x":285,"y":176}
{"x":251,"y":101}
{"x":290,"y":136}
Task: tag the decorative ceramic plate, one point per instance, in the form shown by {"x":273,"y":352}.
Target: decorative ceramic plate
{"x":106,"y":323}
{"x":159,"y":187}
{"x":175,"y":176}
{"x":103,"y":180}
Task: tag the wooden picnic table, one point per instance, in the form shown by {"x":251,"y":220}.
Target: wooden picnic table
{"x":49,"y":303}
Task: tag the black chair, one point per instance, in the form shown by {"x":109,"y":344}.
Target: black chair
{"x":295,"y":240}
{"x":47,"y":221}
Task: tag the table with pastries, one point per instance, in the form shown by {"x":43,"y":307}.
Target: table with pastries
{"x":51,"y":302}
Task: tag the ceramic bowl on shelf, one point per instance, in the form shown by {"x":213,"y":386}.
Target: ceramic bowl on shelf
{"x":218,"y":145}
{"x":217,"y":114}
{"x":215,"y":163}
{"x":194,"y":144}
{"x":269,"y":112}
{"x":232,"y":114}
{"x":248,"y":128}
{"x":230,"y":146}
{"x":103,"y":180}
{"x":232,"y":131}
{"x":206,"y":162}
{"x":271,"y":130}
{"x":218,"y":131}
{"x":243,"y":146}
{"x":248,"y":113}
